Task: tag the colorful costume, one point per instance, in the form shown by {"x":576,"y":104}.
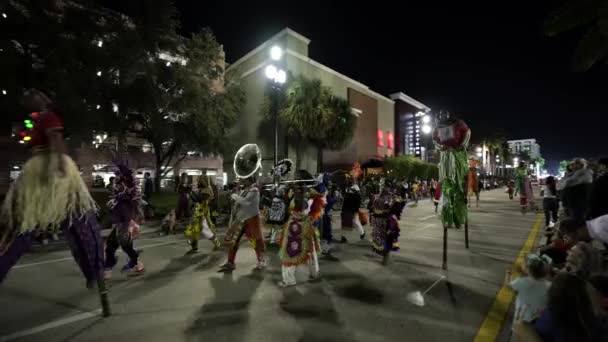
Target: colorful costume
{"x":42,"y":198}
{"x":451,"y":138}
{"x":201,"y":220}
{"x":126,"y":206}
{"x":248,"y":218}
{"x":523,"y":187}
{"x":299,"y":246}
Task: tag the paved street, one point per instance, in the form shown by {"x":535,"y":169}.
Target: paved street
{"x":183,"y":298}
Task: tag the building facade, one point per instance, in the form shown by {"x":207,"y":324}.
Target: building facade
{"x":374,"y":132}
{"x":526,"y":146}
{"x":410,"y":118}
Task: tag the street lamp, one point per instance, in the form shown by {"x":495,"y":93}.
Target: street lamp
{"x":278,"y":77}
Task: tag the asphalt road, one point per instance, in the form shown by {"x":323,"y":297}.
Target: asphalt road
{"x":183,"y":298}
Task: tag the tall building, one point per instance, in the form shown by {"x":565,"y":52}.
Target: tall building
{"x":410,"y":118}
{"x":374,"y":132}
{"x":527,"y":146}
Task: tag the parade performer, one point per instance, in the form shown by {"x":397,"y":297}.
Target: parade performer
{"x":277,"y":213}
{"x":201,"y":220}
{"x":326,"y":232}
{"x":451,"y":137}
{"x":299,"y":243}
{"x":350,"y":212}
{"x":126,"y":206}
{"x":50,"y":194}
{"x":247,"y":217}
{"x":183,"y":198}
{"x":379,"y":222}
{"x":473,"y":183}
{"x":437,"y":197}
{"x":523,"y":187}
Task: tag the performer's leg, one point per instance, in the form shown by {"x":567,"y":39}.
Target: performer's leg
{"x":209,"y":234}
{"x":358,"y":226}
{"x":289,"y":276}
{"x":13,"y":253}
{"x":111,"y":247}
{"x":253,"y":229}
{"x":313,"y":264}
{"x":235,"y":247}
{"x":86,"y":246}
{"x":126,"y":244}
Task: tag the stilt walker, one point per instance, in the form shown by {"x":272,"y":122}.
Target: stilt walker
{"x":451,"y":137}
{"x":201,"y":222}
{"x":126,"y":208}
{"x":300,"y":243}
{"x":247,"y":163}
{"x":50,"y":194}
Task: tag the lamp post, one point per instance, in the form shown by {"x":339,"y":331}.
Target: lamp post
{"x":278,"y":77}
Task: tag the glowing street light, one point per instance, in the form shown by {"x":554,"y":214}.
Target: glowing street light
{"x":426,"y":129}
{"x":271,"y":72}
{"x":426,"y":119}
{"x":276,"y":53}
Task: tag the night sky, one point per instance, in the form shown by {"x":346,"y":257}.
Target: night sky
{"x":489,"y":63}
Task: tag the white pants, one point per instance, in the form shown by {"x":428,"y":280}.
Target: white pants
{"x":206,"y":231}
{"x":289,"y":272}
{"x":357,"y":224}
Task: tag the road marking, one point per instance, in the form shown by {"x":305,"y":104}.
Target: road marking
{"x":492,"y":324}
{"x":52,"y":261}
{"x":426,"y":226}
{"x":51,"y":325}
{"x":433,"y":285}
{"x":424,"y":218}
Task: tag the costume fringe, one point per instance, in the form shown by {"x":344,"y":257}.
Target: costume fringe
{"x":41,"y":198}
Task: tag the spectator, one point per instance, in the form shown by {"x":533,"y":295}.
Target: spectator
{"x":576,"y":189}
{"x":531,"y":289}
{"x":183,"y":201}
{"x":148,"y":187}
{"x":583,"y":260}
{"x":557,"y":250}
{"x":599,"y":193}
{"x":550,"y":202}
{"x":578,"y":230}
{"x":572,"y":313}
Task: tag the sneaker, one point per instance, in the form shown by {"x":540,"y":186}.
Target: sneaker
{"x":261,"y":265}
{"x":343,"y":240}
{"x":551,"y":224}
{"x":133,"y":268}
{"x":362,"y":236}
{"x":227,"y":267}
{"x":192,"y":251}
{"x":107,"y":274}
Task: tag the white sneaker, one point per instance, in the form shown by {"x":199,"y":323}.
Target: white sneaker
{"x":261,"y":265}
{"x":551,"y":224}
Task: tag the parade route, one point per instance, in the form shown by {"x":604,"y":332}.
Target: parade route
{"x":183,"y":298}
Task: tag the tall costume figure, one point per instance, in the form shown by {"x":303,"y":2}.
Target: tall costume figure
{"x":523,"y":187}
{"x":245,"y":216}
{"x":299,"y":243}
{"x":451,"y":136}
{"x":473,"y":182}
{"x":201,"y":222}
{"x":50,"y":194}
{"x":126,"y":207}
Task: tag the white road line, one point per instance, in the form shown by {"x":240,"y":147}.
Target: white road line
{"x":424,"y":218}
{"x":426,"y":226}
{"x":433,"y":285}
{"x":52,"y":261}
{"x":51,"y":325}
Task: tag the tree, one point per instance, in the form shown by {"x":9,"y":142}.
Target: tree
{"x":563,"y":165}
{"x":407,"y":167}
{"x":310,"y":113}
{"x":590,"y":16}
{"x":184,"y":105}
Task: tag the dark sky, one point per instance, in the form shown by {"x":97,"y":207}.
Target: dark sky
{"x":487,"y":62}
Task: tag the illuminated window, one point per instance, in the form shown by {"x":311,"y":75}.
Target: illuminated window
{"x":390,"y":140}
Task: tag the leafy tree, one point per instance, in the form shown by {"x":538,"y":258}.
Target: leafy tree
{"x":563,"y":165}
{"x":589,"y":16}
{"x":310,"y":113}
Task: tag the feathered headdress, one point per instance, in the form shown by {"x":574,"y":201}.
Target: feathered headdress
{"x":125,"y":187}
{"x":282,"y":168}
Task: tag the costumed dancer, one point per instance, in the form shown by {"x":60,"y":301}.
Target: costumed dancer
{"x":201,"y":222}
{"x":437,"y":196}
{"x":451,"y":137}
{"x":316,"y":204}
{"x":278,"y":210}
{"x":473,"y":185}
{"x":50,"y":194}
{"x":326,"y":234}
{"x":247,"y":217}
{"x":385,"y":229}
{"x":510,"y":188}
{"x":350,"y":212}
{"x":523,"y":187}
{"x":299,"y":243}
{"x":126,"y":207}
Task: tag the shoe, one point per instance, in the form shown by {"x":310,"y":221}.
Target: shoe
{"x":283,"y":284}
{"x":133,"y":268}
{"x":551,"y":224}
{"x":343,"y":240}
{"x":260,"y":266}
{"x":227,"y":267}
{"x":216,"y":244}
{"x":362,"y":236}
{"x":192,"y":251}
{"x":107,"y":274}
{"x":91,"y":284}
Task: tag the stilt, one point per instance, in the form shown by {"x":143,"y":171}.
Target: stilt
{"x":445,"y":247}
{"x":103,"y":296}
{"x":466,"y":232}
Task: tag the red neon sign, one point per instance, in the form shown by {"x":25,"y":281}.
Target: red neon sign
{"x":390,"y":140}
{"x":380,"y":138}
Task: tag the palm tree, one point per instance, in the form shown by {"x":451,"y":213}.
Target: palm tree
{"x":590,"y":15}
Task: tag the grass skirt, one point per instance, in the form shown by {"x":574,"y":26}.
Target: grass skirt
{"x":40,"y":198}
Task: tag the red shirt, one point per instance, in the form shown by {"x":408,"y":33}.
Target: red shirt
{"x":47,"y":121}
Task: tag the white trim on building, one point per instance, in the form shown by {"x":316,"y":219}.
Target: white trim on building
{"x":401,"y":96}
